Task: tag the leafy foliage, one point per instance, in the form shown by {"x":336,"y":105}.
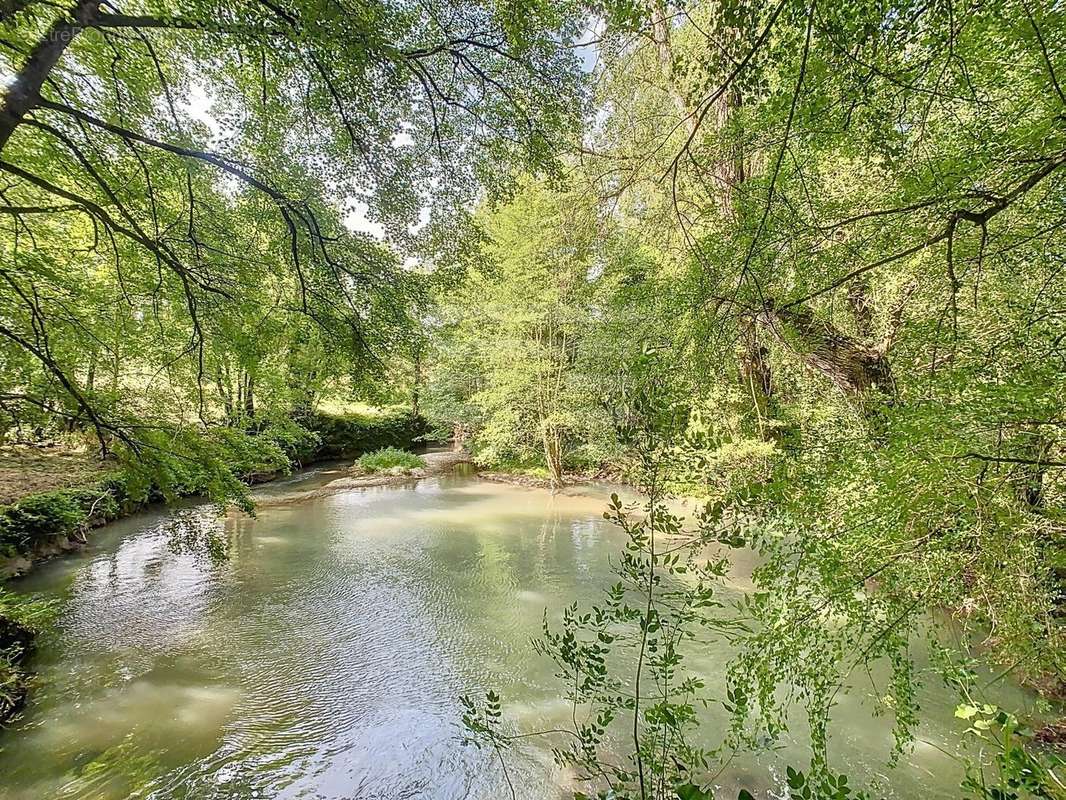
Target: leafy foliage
{"x":343,"y":436}
{"x":849,"y":222}
{"x":805,"y":257}
{"x":623,"y":662}
{"x":173,"y":267}
{"x":388,"y":458}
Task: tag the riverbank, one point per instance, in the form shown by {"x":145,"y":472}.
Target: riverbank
{"x":536,"y":480}
{"x":16,"y":645}
{"x":47,"y":468}
{"x":40,"y":525}
{"x":434,"y":463}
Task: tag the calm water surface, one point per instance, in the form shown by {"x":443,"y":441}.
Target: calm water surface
{"x":325,"y":658}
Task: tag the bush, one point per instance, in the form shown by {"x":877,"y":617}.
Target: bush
{"x":349,"y":435}
{"x":388,"y":458}
{"x":38,"y":517}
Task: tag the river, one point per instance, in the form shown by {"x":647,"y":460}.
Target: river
{"x":326,"y":656}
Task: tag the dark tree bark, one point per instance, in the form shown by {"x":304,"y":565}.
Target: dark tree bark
{"x":249,"y":396}
{"x":416,"y":387}
{"x":859,"y":302}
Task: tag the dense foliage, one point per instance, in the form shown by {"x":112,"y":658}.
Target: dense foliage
{"x":176,"y":183}
{"x":840,"y":227}
{"x":827,"y":235}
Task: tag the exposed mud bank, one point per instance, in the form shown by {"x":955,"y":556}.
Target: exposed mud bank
{"x":56,"y":545}
{"x":535,"y":482}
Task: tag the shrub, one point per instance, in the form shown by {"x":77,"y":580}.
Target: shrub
{"x":38,"y":517}
{"x":349,"y":435}
{"x":388,"y":458}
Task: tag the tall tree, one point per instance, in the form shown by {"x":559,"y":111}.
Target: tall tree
{"x":197,"y":206}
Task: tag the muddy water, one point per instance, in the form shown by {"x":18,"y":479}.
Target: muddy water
{"x":325,"y":658}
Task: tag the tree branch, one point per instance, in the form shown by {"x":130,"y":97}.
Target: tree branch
{"x":24,"y":91}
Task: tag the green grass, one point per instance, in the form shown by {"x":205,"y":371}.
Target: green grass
{"x":388,"y":458}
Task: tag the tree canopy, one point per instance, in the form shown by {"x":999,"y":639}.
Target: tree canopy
{"x":839,"y":227}
{"x":168,"y":259}
{"x":801,"y":260}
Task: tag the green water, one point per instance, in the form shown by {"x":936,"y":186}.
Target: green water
{"x":325,"y":658}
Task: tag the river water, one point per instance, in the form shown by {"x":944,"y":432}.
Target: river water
{"x":325,"y":658}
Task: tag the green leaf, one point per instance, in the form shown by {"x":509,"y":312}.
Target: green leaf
{"x":965,"y":711}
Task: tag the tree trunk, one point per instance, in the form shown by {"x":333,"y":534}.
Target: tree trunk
{"x":24,"y":92}
{"x":660,"y":34}
{"x":728,"y":168}
{"x":553,"y":455}
{"x":417,"y":383}
{"x":224,"y":395}
{"x":727,"y":174}
{"x":853,"y":366}
{"x":249,"y":396}
{"x":1029,"y":479}
{"x":90,"y":378}
{"x":460,"y":433}
{"x":860,"y":309}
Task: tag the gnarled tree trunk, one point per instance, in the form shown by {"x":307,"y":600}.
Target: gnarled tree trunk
{"x":851,"y":364}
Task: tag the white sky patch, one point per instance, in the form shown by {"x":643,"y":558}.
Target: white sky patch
{"x":357,"y":221}
{"x":423,"y":220}
{"x":590,"y":53}
{"x":198,"y":105}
